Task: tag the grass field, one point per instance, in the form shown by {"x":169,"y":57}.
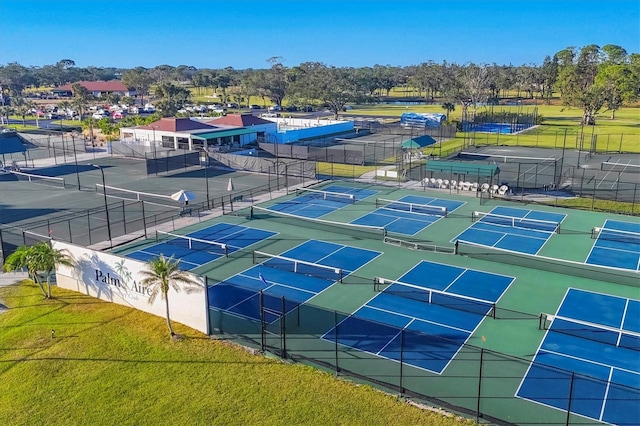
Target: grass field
{"x":109,"y":364}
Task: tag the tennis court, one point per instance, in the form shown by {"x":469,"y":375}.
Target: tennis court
{"x":593,"y":342}
{"x":203,"y":246}
{"x":280,"y":283}
{"x":316,"y":203}
{"x":425,"y":317}
{"x":408,"y":215}
{"x":520,"y":230}
{"x":617,"y":245}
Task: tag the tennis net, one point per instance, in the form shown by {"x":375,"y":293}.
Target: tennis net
{"x":318,"y":194}
{"x":358,"y":231}
{"x":191,"y":243}
{"x":56,"y":182}
{"x":607,"y":166}
{"x":298,"y":266}
{"x":596,"y":332}
{"x":130,"y":194}
{"x":516,"y":222}
{"x":615,"y":235}
{"x":411,"y":207}
{"x":437,"y":297}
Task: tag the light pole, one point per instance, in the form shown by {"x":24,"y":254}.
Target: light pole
{"x":154,"y":134}
{"x":106,"y":205}
{"x":206,"y":171}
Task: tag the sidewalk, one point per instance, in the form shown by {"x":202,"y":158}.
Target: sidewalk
{"x":8,"y":278}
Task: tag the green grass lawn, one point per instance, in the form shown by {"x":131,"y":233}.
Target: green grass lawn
{"x":110,"y":364}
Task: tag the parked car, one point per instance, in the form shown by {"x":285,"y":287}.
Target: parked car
{"x":100,"y":114}
{"x":219,"y":109}
{"x":291,"y":108}
{"x":254,"y":106}
{"x":117,"y":115}
{"x":275,"y":108}
{"x":306,"y":108}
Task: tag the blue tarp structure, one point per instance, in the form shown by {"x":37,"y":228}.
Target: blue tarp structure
{"x":426,"y":119}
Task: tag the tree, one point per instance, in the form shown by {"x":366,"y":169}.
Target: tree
{"x":20,"y":259}
{"x":449,"y":107}
{"x":330,"y":85}
{"x":41,"y":257}
{"x":46,"y":258}
{"x":172,"y":98}
{"x":161,"y":275}
{"x":140,"y":79}
{"x":576,"y":81}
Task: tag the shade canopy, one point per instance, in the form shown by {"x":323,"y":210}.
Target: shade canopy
{"x":418,"y":142}
{"x":183,"y":196}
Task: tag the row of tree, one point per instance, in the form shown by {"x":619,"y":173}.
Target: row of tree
{"x":590,"y":78}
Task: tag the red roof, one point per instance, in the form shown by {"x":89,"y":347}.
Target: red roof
{"x":240,"y":120}
{"x":98,"y":86}
{"x":176,"y":125}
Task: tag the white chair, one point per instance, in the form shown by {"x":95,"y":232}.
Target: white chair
{"x":466,"y":185}
{"x":494,"y":189}
{"x":425,"y":182}
{"x":474,"y":187}
{"x":503,"y":190}
{"x":454,"y":184}
{"x":438,"y":183}
{"x":445,"y":183}
{"x":432,"y":182}
{"x":484,"y":187}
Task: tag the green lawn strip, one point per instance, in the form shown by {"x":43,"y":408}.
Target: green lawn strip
{"x":109,"y":364}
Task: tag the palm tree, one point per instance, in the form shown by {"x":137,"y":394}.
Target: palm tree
{"x":22,"y":259}
{"x":46,"y":258}
{"x":162,"y":274}
{"x":41,"y":257}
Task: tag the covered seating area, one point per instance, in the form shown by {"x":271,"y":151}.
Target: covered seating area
{"x":462,"y":176}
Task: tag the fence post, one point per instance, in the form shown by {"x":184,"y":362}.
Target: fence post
{"x":89,"y":225}
{"x":124,"y":219}
{"x":144,"y":220}
{"x":401,"y":362}
{"x":283,"y":329}
{"x":573,"y":374}
{"x":633,"y":201}
{"x":335,"y":327}
{"x":479,"y":397}
{"x":262,"y":323}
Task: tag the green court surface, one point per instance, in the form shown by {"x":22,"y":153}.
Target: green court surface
{"x":484,"y":375}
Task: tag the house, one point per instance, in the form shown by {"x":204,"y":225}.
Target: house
{"x":191,"y":134}
{"x":96,"y":88}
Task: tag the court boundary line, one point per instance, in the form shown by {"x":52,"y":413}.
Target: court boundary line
{"x":471,"y":333}
{"x":551,"y":367}
{"x":593,"y":246}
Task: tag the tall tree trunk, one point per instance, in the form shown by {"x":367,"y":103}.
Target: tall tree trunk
{"x":166,"y":303}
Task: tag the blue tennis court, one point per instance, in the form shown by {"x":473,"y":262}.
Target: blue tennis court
{"x":194,"y":250}
{"x":296,"y":275}
{"x":316,"y":203}
{"x":408,"y":215}
{"x":590,"y":352}
{"x":425,"y":316}
{"x":617,"y":245}
{"x":507,"y":228}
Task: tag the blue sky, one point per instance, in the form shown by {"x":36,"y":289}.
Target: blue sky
{"x":244,"y":34}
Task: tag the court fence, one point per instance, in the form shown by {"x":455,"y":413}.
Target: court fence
{"x":133,"y":218}
{"x":477,"y":383}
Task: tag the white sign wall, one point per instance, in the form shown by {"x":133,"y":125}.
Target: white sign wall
{"x":117,"y":279}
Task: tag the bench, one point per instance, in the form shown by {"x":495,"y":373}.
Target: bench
{"x":237,"y":198}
